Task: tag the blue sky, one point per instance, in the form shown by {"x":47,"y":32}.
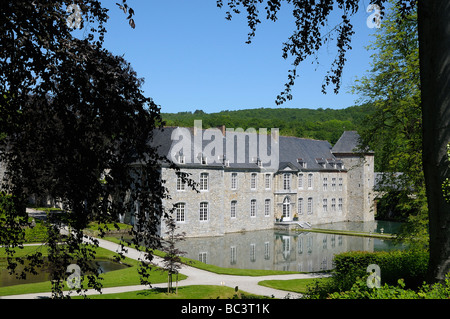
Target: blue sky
{"x":191,"y":57}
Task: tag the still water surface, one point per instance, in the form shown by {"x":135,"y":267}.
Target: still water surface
{"x":287,"y":251}
{"x":6,"y":279}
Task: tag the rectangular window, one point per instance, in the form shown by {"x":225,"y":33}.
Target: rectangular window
{"x":325,"y":183}
{"x":202,"y":257}
{"x":233,"y":180}
{"x":203,"y":211}
{"x":233,"y":255}
{"x":325,"y":205}
{"x":287,"y":182}
{"x":340,"y":183}
{"x":233,"y":209}
{"x":340,"y":204}
{"x":300,"y":181}
{"x":267,"y":250}
{"x":180,"y":212}
{"x":252,"y":252}
{"x":267,"y":207}
{"x":253,"y":181}
{"x":267,"y":181}
{"x":333,"y":184}
{"x":310,"y":206}
{"x":253,"y":208}
{"x":300,"y":206}
{"x":204,"y":181}
{"x":333,"y":204}
{"x":181,"y":186}
{"x":310,"y":181}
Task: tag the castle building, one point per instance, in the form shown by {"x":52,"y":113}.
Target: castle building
{"x":308,"y":182}
{"x":250,"y":181}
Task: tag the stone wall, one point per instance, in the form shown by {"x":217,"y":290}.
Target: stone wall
{"x":319,"y":215}
{"x":360,"y":181}
{"x":213,"y":197}
{"x":350,"y":201}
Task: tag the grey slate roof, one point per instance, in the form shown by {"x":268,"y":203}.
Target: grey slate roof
{"x":293,"y":151}
{"x":347,"y":143}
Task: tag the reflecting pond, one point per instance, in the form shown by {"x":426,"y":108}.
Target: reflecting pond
{"x":104,"y":266}
{"x":284,"y":250}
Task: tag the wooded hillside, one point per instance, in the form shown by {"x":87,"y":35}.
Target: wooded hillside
{"x":323,"y":124}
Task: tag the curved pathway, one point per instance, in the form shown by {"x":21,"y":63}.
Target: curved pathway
{"x":196,"y":276}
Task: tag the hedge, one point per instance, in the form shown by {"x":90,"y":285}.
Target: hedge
{"x":411,"y":266}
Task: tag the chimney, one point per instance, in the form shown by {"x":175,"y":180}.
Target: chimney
{"x":222,"y":129}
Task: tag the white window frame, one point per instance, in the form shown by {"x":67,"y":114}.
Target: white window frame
{"x":203,"y":256}
{"x":204,"y":211}
{"x":180,"y":209}
{"x":300,"y":206}
{"x":253,"y":208}
{"x":310,"y":206}
{"x":204,"y":181}
{"x":181,"y":186}
{"x":267,"y":207}
{"x":310,"y":181}
{"x":300,"y":180}
{"x":287,"y":181}
{"x":234,"y":182}
{"x":253,"y":181}
{"x":267,"y":181}
{"x":233,"y":207}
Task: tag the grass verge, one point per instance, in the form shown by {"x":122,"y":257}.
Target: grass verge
{"x":123,"y":277}
{"x":186,"y":292}
{"x":292,"y":285}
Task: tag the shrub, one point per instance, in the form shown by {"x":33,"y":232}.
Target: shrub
{"x":411,"y":266}
{"x":360,"y":291}
{"x":350,"y":273}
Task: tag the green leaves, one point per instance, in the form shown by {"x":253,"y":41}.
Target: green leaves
{"x":394,"y":129}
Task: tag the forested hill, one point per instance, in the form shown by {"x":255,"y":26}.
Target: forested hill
{"x":323,"y":124}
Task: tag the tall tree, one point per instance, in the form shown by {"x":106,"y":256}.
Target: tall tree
{"x":394,"y":129}
{"x":434,"y":50}
{"x":78,"y":129}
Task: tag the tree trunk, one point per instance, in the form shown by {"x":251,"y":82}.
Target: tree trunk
{"x":434,"y":52}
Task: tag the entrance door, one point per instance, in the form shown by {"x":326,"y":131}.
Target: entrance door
{"x":287,"y":209}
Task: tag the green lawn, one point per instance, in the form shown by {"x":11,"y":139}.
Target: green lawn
{"x":129,"y":276}
{"x":122,"y":277}
{"x":187,"y":292}
{"x":293,"y":285}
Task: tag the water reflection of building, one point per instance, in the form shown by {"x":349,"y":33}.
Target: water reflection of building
{"x":273,"y":250}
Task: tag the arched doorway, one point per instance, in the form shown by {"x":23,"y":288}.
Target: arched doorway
{"x":287,"y":209}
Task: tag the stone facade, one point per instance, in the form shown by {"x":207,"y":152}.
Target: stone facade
{"x":334,"y":187}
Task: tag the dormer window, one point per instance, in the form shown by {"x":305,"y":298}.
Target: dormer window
{"x":331,"y":162}
{"x":301,"y":162}
{"x":181,"y":158}
{"x":321,"y":162}
{"x":259,"y":162}
{"x":339,"y":164}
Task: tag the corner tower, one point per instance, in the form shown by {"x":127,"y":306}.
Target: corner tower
{"x":360,"y":176}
